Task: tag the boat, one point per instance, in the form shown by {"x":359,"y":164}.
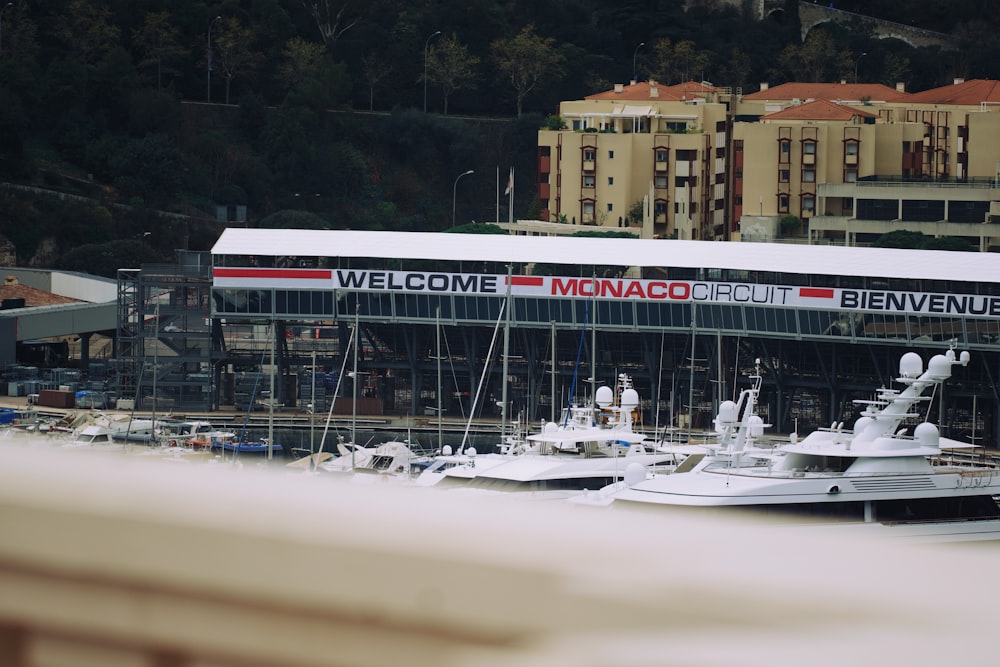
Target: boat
{"x":877,"y":473}
{"x":197,"y":434}
{"x":589,"y":449}
{"x":235,"y":445}
{"x":92,"y":435}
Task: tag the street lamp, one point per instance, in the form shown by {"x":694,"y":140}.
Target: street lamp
{"x":209,"y":63}
{"x":2,"y":9}
{"x":634,"y":54}
{"x":426,"y":43}
{"x":454,"y":191}
{"x":858,"y":62}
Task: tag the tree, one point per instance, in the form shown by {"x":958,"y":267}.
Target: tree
{"x":233,"y":46}
{"x":332,"y":21}
{"x":157,"y":42}
{"x":819,"y":58}
{"x":299,"y":59}
{"x":526,"y":59}
{"x":87,"y":29}
{"x":451,"y":66}
{"x":374,"y":69}
{"x":677,"y":62}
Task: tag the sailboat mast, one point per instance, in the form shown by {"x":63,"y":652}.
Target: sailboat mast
{"x":437,"y":317}
{"x":270,"y":401}
{"x":506,"y":354}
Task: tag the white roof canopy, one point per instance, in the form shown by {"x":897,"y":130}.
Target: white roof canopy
{"x":785,"y":258}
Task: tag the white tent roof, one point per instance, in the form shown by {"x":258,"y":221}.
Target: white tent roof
{"x":785,"y":258}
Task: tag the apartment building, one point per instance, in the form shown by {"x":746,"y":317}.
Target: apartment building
{"x":658,"y":149}
{"x":850,"y":161}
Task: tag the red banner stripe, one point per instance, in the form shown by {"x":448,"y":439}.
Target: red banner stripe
{"x":816,"y":292}
{"x":309,"y":274}
{"x":528,"y":281}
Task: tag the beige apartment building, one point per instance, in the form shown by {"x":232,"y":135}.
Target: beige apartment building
{"x":849,"y":161}
{"x":663,"y":148}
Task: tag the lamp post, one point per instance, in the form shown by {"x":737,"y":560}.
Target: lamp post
{"x":454,"y":191}
{"x":2,"y":10}
{"x":856,"y":63}
{"x":634,"y":54}
{"x":426,"y":43}
{"x":208,"y":64}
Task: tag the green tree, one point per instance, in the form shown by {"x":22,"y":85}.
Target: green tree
{"x":299,"y":59}
{"x":234,"y":50}
{"x":525,"y":60}
{"x":158,"y":43}
{"x":87,"y":29}
{"x":374,"y":69}
{"x":332,"y":18}
{"x":104,"y":259}
{"x":451,"y":66}
{"x":819,"y":58}
{"x":150,"y":168}
{"x":677,"y":62}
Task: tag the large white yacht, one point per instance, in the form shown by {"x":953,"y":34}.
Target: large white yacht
{"x":877,"y":472}
{"x":589,"y":449}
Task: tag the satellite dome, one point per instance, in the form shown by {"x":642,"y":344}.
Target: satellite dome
{"x":911,"y":365}
{"x":605,"y":396}
{"x":630,"y":399}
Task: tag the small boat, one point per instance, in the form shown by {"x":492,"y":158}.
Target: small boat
{"x":236,"y":446}
{"x":877,"y":473}
{"x":196,"y":434}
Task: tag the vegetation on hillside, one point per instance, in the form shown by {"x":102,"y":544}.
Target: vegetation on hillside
{"x":108,"y":100}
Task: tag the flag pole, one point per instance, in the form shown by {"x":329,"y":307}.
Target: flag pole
{"x":498,"y":194}
{"x":510,"y":206}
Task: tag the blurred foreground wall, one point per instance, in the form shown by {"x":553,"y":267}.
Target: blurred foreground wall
{"x":135,"y":562}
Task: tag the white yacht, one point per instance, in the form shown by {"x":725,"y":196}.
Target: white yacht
{"x":874,"y":473}
{"x":589,"y":449}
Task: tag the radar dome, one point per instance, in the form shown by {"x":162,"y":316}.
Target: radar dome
{"x":940,"y":366}
{"x":927,"y":434}
{"x":911,"y":365}
{"x":446,"y":450}
{"x":630,"y":399}
{"x":604,"y":396}
{"x":727,"y":412}
{"x":862,"y":424}
{"x":756,"y":426}
{"x":471,"y":451}
{"x":634,"y":473}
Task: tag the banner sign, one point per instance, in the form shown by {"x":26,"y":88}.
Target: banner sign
{"x":622,"y":289}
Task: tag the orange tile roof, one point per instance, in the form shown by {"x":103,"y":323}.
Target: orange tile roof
{"x":642,"y":91}
{"x":972,"y":92}
{"x":32,"y":296}
{"x":827,"y":91}
{"x":818,"y":110}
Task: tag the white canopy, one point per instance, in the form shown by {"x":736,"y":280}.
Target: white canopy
{"x":784,"y":258}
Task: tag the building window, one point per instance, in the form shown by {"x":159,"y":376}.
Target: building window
{"x":809,"y":148}
{"x":611,"y":207}
{"x":738,"y":200}
{"x":808,"y":175}
{"x":782,"y":203}
{"x":589,"y":155}
{"x":850,"y":175}
{"x":588,"y":211}
{"x":611,"y":155}
{"x":660,"y":182}
{"x":611,"y":180}
{"x":660,"y":208}
{"x":738,"y":145}
{"x":661,"y":154}
{"x":738,"y":172}
{"x":784,"y":150}
{"x":783,"y":175}
{"x":851,"y":148}
{"x":808,"y":204}
{"x":588,"y":180}
{"x":576,"y":125}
